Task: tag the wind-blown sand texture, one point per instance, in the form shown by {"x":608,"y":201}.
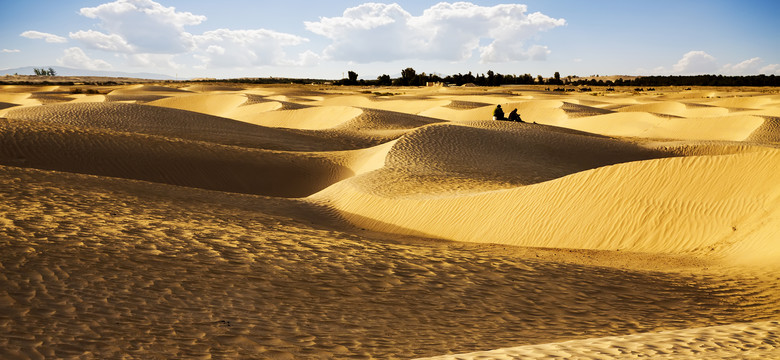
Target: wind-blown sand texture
{"x":312,"y":222}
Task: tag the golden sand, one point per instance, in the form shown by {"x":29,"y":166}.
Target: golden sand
{"x":307,"y":222}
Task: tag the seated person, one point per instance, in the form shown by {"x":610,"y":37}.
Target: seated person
{"x":498,"y":113}
{"x":514,"y":116}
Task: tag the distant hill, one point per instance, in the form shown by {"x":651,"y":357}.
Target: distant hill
{"x":66,"y":71}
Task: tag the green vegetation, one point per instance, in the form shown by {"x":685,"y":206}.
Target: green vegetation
{"x":693,"y":80}
{"x":410,"y":77}
{"x":45,"y":72}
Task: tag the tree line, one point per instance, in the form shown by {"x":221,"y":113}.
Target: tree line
{"x":410,"y":77}
{"x":44,"y":72}
{"x":692,"y":80}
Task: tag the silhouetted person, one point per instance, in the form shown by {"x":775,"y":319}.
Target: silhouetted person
{"x":498,"y":113}
{"x":514,"y":116}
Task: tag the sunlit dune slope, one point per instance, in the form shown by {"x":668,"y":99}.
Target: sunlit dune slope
{"x":88,"y":98}
{"x":647,"y":125}
{"x":309,"y":118}
{"x":133,"y":89}
{"x":16,"y":99}
{"x":210,"y":88}
{"x":537,"y":110}
{"x":674,"y":108}
{"x":408,"y":106}
{"x":697,"y":205}
{"x":211,"y":104}
{"x":737,"y":341}
{"x":488,"y":155}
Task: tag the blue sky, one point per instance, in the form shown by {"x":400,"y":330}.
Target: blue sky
{"x":325,"y":39}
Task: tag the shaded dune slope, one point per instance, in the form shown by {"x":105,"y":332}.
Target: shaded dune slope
{"x":767,"y":133}
{"x":184,"y":124}
{"x":378,"y":120}
{"x":171,"y":161}
{"x":143,"y":93}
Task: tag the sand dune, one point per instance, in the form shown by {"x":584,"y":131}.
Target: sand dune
{"x":182,"y":124}
{"x":17,"y":99}
{"x":88,"y":98}
{"x":646,"y":125}
{"x":134,"y":89}
{"x":211,"y":88}
{"x":211,"y":104}
{"x":744,"y":341}
{"x":575,"y":110}
{"x":143,"y":93}
{"x":409,"y":106}
{"x":107,"y":267}
{"x":489,"y":155}
{"x":177,"y":162}
{"x":748,"y":102}
{"x":328,"y":222}
{"x":700,"y":200}
{"x":311,"y":118}
{"x":251,"y":113}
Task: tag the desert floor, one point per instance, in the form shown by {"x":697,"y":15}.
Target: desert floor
{"x":307,"y":222}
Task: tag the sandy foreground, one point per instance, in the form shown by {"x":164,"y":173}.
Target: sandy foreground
{"x":312,"y":222}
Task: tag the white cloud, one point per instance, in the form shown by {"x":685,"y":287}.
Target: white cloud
{"x":771,"y":69}
{"x":696,"y":63}
{"x":445,"y":31}
{"x":747,"y":67}
{"x":150,"y":35}
{"x":153,"y":60}
{"x":11,"y":50}
{"x":144,"y":25}
{"x":50,"y":38}
{"x":242,"y":48}
{"x":308,"y":58}
{"x":101,"y":41}
{"x":75,"y":57}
